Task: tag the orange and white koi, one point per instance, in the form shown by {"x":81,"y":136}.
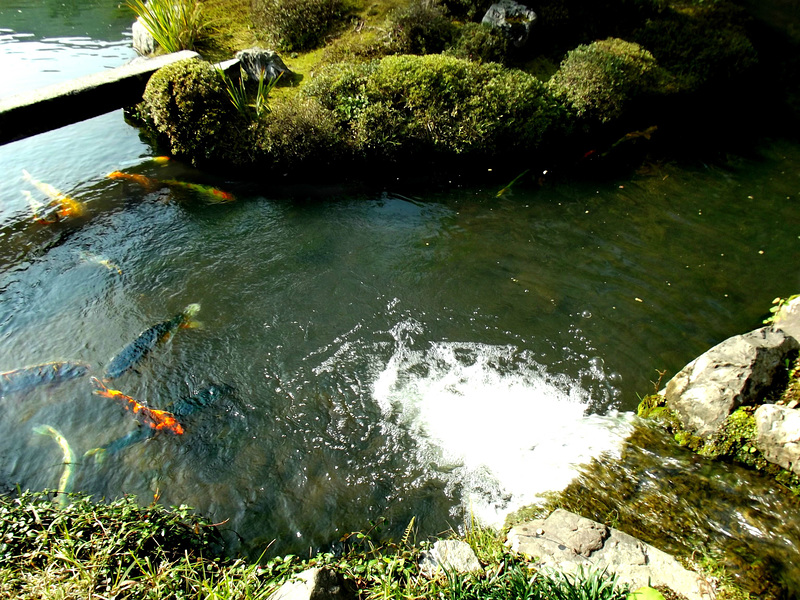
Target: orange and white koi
{"x":211,"y":194}
{"x":158,"y":420}
{"x":148,"y":183}
{"x":66,"y":207}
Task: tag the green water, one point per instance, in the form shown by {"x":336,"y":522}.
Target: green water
{"x":395,"y":352}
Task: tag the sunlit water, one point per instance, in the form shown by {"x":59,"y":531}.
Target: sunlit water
{"x":393,"y":353}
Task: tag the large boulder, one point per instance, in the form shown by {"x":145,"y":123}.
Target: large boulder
{"x":513,"y":19}
{"x":736,"y":372}
{"x":778,"y":435}
{"x":143,"y":41}
{"x":566,"y":541}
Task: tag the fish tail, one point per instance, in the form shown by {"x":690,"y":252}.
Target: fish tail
{"x":65,"y":483}
{"x":191,"y":310}
{"x":100,"y":389}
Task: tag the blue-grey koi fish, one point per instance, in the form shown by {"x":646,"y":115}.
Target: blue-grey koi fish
{"x":51,"y":373}
{"x":134,"y":352}
{"x":180,"y":408}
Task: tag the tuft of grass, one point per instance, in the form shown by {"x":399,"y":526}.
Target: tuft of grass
{"x":174,"y":24}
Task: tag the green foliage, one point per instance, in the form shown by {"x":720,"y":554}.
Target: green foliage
{"x":436,"y":103}
{"x":297,"y":24}
{"x":240,"y":98}
{"x":600,"y":81}
{"x":699,"y":45}
{"x":481,"y":43}
{"x":188,"y":106}
{"x":777,"y":305}
{"x":421,"y":27}
{"x":174,"y":24}
{"x":300,"y":132}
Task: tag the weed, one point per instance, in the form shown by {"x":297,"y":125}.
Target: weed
{"x":174,"y":24}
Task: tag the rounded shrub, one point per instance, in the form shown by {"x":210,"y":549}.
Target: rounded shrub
{"x":297,"y":24}
{"x":187,"y":106}
{"x":300,"y":132}
{"x":421,"y":27}
{"x":481,"y":43}
{"x":406,"y":104}
{"x":601,"y":80}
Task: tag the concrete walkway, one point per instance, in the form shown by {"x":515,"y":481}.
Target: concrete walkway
{"x":54,"y":106}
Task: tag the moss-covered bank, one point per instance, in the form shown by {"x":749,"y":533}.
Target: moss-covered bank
{"x":394,"y":83}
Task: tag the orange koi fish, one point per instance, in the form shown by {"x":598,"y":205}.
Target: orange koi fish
{"x":66,"y":207}
{"x":148,"y":183}
{"x":158,"y":420}
{"x":211,"y":194}
{"x":160,"y":160}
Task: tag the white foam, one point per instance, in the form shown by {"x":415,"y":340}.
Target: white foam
{"x":494,"y":421}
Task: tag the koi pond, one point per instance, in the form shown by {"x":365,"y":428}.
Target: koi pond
{"x":385,"y":353}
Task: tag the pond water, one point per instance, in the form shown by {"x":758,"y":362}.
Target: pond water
{"x":394,"y":353}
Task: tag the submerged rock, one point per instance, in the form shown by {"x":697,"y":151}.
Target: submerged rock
{"x":736,"y":372}
{"x":513,"y":19}
{"x":567,"y":541}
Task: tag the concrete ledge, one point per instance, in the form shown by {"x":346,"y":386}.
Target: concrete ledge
{"x":37,"y":111}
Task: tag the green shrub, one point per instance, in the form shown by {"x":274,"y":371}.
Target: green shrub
{"x":404,"y":104}
{"x":297,"y":24}
{"x":188,"y":107}
{"x":174,"y":24}
{"x":600,"y":81}
{"x":300,"y":132}
{"x":421,"y":27}
{"x":699,"y":46}
{"x":481,"y":43}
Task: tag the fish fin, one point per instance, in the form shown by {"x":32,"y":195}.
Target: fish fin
{"x":192,"y":325}
{"x":99,"y":455}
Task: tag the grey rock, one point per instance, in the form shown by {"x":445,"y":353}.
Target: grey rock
{"x":449,"y":555}
{"x":733,"y":373}
{"x":143,"y":41}
{"x":513,"y":19}
{"x":314,"y":584}
{"x":254,"y":61}
{"x":568,"y":542}
{"x":787,"y":319}
{"x":778,"y":435}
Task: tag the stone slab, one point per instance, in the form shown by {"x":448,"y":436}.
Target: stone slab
{"x":36,"y":111}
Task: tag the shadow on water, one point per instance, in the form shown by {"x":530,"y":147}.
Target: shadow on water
{"x":688,"y":505}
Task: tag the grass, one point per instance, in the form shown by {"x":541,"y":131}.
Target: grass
{"x":120,"y":549}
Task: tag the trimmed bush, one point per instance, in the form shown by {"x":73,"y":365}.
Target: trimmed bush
{"x":699,"y":46}
{"x":601,"y":80}
{"x":422,"y":27}
{"x":407,"y":104}
{"x":300,"y":132}
{"x":481,"y":43}
{"x":188,"y":107}
{"x":297,"y":24}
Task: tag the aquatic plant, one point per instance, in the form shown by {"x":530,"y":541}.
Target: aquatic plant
{"x":297,"y":24}
{"x":174,"y":24}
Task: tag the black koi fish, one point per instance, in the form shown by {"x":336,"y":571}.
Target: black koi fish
{"x":51,"y":373}
{"x":134,"y":352}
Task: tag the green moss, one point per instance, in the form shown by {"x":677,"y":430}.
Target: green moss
{"x":481,"y":43}
{"x":421,"y":27}
{"x":649,"y":404}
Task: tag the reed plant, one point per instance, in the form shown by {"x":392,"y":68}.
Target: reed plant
{"x":174,"y":24}
{"x":240,"y":96}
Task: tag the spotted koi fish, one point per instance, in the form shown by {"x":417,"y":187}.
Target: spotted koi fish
{"x":66,"y":207}
{"x":157,"y":420}
{"x":148,"y":183}
{"x":133,"y":353}
{"x":211,"y":194}
{"x":51,"y":373}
